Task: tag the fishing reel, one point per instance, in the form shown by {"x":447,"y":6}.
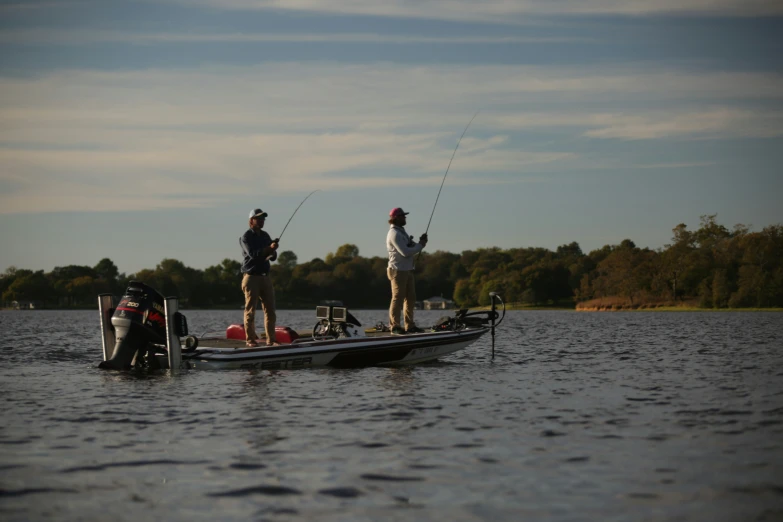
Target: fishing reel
{"x":412,"y":240}
{"x":380,"y":326}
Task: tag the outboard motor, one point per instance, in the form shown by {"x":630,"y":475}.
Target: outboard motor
{"x":138,"y":320}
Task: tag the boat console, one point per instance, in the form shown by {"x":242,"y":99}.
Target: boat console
{"x":336,"y":322}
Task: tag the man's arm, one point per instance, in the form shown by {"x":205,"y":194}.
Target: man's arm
{"x":261,"y":247}
{"x":400,"y":243}
{"x":269,"y":252}
{"x":273,"y":250}
{"x":246,"y":251}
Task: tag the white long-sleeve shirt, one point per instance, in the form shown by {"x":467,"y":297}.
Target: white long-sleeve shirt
{"x":401,"y":248}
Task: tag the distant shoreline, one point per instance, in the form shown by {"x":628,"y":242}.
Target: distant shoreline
{"x":677,"y":309}
{"x":627,"y":307}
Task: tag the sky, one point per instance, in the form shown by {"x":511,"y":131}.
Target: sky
{"x":140,"y":130}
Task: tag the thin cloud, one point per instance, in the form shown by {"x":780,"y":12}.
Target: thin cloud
{"x":195,"y":172}
{"x":506,"y":11}
{"x":715,"y":123}
{"x":82,"y":37}
{"x":31,"y":5}
{"x":683,"y":165}
{"x":332,"y":97}
{"x":195,"y":136}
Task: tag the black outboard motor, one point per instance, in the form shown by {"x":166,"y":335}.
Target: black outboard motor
{"x":138,"y":320}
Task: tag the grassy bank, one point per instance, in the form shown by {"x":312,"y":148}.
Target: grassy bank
{"x":560,"y":305}
{"x":619,"y":304}
{"x":614,"y":304}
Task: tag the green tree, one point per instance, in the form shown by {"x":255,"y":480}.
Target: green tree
{"x":544,"y":283}
{"x":434,"y":274}
{"x":347,"y":250}
{"x":222,"y":284}
{"x":569,"y":253}
{"x":82,"y":290}
{"x":287,"y":259}
{"x":720,"y":288}
{"x":8,"y":277}
{"x":721,"y":267}
{"x":106,"y":269}
{"x":178,"y":279}
{"x":464,"y":294}
{"x":490,"y":286}
{"x":626,"y":272}
{"x":343,"y":254}
{"x":34,"y":287}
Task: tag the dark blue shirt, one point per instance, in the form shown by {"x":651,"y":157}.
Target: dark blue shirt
{"x":253,"y":246}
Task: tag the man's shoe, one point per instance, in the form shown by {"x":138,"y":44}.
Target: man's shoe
{"x":397,"y":330}
{"x":414,"y":329}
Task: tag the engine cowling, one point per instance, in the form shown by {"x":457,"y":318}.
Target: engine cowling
{"x":138,"y":320}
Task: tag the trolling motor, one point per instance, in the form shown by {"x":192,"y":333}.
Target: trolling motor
{"x":139,"y":324}
{"x":494,"y":296}
{"x":463,"y":318}
{"x":336,"y":322}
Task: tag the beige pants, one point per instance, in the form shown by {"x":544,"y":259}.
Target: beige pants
{"x":255,"y":288}
{"x":403,"y":289}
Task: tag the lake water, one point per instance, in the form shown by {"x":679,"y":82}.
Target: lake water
{"x":581,"y":416}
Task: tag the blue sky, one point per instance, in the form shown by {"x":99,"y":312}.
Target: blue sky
{"x":140,"y":129}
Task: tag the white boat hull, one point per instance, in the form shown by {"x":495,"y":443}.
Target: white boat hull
{"x":340,"y":353}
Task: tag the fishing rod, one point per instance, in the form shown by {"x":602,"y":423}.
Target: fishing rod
{"x":444,"y":177}
{"x":292,"y":217}
{"x":447,"y":171}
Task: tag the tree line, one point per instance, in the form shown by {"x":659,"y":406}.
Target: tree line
{"x":713,"y":266}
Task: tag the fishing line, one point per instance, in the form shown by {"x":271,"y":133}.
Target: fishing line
{"x":292,"y":217}
{"x":447,"y":171}
{"x":444,"y":176}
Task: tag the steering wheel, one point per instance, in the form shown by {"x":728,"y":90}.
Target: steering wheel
{"x":322,"y":329}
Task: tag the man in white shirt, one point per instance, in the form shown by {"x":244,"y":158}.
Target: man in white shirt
{"x":402,"y":250}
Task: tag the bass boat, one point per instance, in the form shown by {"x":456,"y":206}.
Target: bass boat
{"x":144,"y":330}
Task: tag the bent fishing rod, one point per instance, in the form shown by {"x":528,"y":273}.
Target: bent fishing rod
{"x":277,"y":240}
{"x":447,"y":171}
{"x":446,"y":174}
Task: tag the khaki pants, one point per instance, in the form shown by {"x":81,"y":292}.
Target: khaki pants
{"x":403,"y":289}
{"x":255,"y":288}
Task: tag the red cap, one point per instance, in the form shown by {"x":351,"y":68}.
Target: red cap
{"x":398,"y":212}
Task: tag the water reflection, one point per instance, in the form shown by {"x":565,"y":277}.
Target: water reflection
{"x":400,"y":380}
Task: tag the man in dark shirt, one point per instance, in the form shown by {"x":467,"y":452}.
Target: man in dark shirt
{"x":258,"y":248}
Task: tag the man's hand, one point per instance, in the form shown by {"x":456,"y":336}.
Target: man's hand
{"x":270,"y":251}
{"x":423,"y":240}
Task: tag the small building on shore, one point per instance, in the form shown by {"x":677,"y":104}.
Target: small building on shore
{"x":438,"y":303}
{"x":25,"y":305}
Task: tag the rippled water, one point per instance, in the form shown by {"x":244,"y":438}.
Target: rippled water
{"x":581,"y":416}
